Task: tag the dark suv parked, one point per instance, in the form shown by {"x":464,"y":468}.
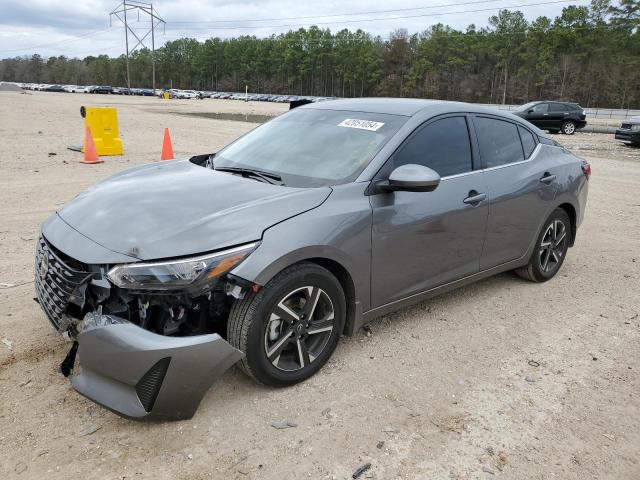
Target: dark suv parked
{"x":554,"y":116}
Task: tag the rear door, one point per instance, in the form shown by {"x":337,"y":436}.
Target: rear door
{"x":421,"y":240}
{"x":557,"y":113}
{"x":520,"y":185}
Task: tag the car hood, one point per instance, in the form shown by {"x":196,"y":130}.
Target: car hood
{"x":177,"y":208}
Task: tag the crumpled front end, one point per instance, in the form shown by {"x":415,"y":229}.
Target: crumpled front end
{"x":140,"y":374}
{"x":142,"y":354}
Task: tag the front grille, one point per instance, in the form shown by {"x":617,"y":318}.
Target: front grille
{"x":55,"y":282}
{"x":149,"y":385}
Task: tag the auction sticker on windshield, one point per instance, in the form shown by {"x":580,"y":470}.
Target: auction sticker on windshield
{"x":362,"y":124}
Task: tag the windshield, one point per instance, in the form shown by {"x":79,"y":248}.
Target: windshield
{"x":312,"y":148}
{"x":526,"y":106}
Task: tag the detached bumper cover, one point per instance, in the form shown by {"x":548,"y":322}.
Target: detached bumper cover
{"x":139,"y":374}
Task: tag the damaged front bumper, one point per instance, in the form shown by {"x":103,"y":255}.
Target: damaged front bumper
{"x":143,"y":375}
{"x":141,"y":354}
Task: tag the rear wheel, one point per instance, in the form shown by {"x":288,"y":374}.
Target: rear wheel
{"x":551,"y":248}
{"x":290,"y":328}
{"x":569,"y":128}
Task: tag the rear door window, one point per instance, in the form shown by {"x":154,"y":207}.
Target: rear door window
{"x":442,"y":145}
{"x":499,"y":142}
{"x":557,"y":107}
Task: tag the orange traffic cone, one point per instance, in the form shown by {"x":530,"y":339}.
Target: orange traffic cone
{"x":167,"y":149}
{"x":90,"y":153}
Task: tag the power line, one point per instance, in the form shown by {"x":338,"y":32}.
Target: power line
{"x":58,"y":42}
{"x":421,"y":15}
{"x":337,"y":14}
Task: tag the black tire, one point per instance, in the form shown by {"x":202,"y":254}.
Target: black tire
{"x":537,"y":270}
{"x":568,"y":127}
{"x":250,"y":316}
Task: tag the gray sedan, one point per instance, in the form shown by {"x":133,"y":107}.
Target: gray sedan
{"x":302,"y":230}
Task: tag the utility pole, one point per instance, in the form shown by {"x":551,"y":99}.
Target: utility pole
{"x":120,"y":13}
{"x":153,"y":53}
{"x":126,"y":43}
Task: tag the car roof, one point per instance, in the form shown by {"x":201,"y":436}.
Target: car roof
{"x":393,"y":106}
{"x":410,"y":107}
{"x":403,"y":106}
{"x":557,"y":101}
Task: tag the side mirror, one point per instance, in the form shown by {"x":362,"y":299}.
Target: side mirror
{"x":530,"y":110}
{"x":411,"y":178}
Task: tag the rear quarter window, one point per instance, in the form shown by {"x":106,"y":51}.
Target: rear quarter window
{"x":528,"y":141}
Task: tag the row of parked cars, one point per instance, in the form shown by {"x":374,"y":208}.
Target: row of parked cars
{"x":260,"y":97}
{"x":105,"y":89}
{"x":553,"y":116}
{"x":253,"y":97}
{"x":173,"y":92}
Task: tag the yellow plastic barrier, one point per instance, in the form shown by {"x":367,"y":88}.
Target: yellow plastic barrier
{"x":103,"y":122}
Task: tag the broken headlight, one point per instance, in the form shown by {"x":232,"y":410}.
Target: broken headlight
{"x":176,"y":274}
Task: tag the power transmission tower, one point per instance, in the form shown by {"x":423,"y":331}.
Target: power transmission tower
{"x":133,"y":6}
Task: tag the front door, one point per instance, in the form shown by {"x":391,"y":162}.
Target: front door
{"x":421,"y":240}
{"x":539,"y":115}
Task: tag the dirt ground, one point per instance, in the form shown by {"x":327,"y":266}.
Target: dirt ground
{"x":501,"y":379}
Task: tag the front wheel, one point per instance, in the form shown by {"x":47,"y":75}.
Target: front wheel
{"x":569,"y":128}
{"x":290,"y":328}
{"x":550,"y":250}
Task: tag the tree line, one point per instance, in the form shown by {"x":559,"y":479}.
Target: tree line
{"x":589,"y":55}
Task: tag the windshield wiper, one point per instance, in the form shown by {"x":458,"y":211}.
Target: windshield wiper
{"x":267,"y":177}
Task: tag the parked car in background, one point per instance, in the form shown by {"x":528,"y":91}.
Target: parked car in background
{"x":554,"y":116}
{"x":298,"y":232}
{"x":104,"y":89}
{"x":629,"y":132}
{"x":177,"y":93}
{"x":53,"y":88}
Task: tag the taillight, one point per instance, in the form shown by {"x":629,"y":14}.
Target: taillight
{"x":586,"y":169}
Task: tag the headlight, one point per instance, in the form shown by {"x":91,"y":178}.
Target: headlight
{"x":178,"y":273}
{"x":635,"y":127}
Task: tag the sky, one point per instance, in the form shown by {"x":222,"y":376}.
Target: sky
{"x":81,"y":28}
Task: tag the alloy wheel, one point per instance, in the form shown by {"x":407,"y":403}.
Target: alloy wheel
{"x":569,"y":128}
{"x":299,"y":328}
{"x":553,"y":246}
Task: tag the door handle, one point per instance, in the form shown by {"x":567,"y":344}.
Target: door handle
{"x":548,"y":178}
{"x":475,"y":198}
